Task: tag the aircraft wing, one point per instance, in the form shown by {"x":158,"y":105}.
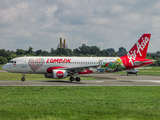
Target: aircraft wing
{"x":80,"y":67}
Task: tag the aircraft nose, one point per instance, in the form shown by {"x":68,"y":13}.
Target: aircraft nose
{"x":4,"y":67}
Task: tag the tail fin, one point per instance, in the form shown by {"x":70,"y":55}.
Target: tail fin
{"x":140,"y":48}
{"x":136,"y":56}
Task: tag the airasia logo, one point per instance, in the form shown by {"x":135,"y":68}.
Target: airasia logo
{"x":59,"y":74}
{"x":140,"y":47}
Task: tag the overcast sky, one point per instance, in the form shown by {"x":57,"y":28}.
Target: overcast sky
{"x":104,"y":23}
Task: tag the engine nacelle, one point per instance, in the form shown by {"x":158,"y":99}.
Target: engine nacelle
{"x":49,"y":75}
{"x":57,"y":74}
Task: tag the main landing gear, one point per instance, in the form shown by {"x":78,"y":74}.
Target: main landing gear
{"x":78,"y":79}
{"x":23,"y":77}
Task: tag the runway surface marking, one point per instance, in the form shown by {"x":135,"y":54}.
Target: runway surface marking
{"x":155,"y":81}
{"x":99,"y":81}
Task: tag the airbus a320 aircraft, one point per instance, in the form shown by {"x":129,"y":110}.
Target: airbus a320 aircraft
{"x":62,"y":67}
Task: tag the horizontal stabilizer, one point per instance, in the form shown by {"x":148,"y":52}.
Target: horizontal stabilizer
{"x":141,"y":62}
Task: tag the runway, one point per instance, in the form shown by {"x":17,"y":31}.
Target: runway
{"x":102,"y":80}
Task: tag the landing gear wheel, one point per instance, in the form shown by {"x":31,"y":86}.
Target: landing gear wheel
{"x":127,"y":74}
{"x":136,"y":74}
{"x":71,"y":79}
{"x":78,"y":79}
{"x":23,"y":79}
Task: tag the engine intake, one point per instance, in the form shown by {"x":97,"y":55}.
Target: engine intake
{"x":49,"y":75}
{"x":57,"y":74}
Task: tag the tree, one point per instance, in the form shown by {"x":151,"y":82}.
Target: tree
{"x":45,"y":53}
{"x":104,"y":52}
{"x":30,"y":50}
{"x":38,"y":52}
{"x":94,"y":50}
{"x":52,"y":51}
{"x":110,"y":51}
{"x":3,"y":60}
{"x":83,"y":49}
{"x":114,"y":54}
{"x":76,"y":52}
{"x":70,"y":52}
{"x":122,"y":51}
{"x":158,"y":53}
{"x":61,"y":51}
{"x":158,"y":61}
{"x":4,"y":53}
{"x":20,"y":52}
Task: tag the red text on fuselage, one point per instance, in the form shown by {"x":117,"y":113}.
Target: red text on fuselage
{"x":58,"y":60}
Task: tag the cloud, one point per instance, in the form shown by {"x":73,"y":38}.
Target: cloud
{"x":117,"y":9}
{"x":105,"y":23}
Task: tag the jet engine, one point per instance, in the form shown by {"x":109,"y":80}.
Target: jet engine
{"x":49,"y":75}
{"x":59,"y":74}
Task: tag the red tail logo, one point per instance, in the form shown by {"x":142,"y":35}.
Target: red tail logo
{"x":138,"y":51}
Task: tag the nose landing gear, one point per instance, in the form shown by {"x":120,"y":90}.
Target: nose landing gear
{"x":23,"y":77}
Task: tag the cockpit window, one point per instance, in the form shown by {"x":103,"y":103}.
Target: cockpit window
{"x":12,"y":61}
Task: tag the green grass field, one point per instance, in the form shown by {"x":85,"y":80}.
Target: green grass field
{"x":1,"y":67}
{"x":152,"y":71}
{"x":80,"y":103}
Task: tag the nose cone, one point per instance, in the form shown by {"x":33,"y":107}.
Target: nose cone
{"x":4,"y":67}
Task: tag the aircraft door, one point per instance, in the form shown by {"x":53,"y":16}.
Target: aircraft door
{"x":24,"y":64}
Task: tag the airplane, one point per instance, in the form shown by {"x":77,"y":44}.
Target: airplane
{"x":62,"y":67}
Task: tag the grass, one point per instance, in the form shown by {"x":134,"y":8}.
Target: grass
{"x":152,"y":71}
{"x":1,"y":67}
{"x":80,"y":103}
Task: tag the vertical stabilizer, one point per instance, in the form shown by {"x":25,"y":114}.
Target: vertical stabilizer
{"x":136,"y":56}
{"x":140,"y":48}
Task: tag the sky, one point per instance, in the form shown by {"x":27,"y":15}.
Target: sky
{"x":102,"y":23}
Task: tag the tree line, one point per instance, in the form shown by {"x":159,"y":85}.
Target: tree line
{"x":84,"y":50}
